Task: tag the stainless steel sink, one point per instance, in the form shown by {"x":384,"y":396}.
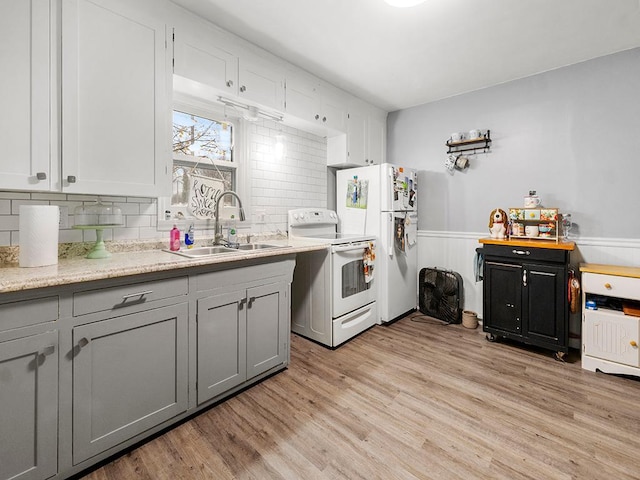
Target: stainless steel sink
{"x":256,"y":246}
{"x":199,"y":252}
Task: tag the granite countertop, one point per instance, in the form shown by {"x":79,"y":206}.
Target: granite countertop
{"x":78,"y":269}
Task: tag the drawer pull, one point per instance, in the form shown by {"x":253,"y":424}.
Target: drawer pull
{"x":83,"y":342}
{"x":48,"y":350}
{"x":633,"y":343}
{"x":139,"y":294}
{"x":607,"y":286}
{"x":521,"y":252}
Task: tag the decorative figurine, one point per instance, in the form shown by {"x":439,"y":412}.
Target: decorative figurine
{"x":498,"y":223}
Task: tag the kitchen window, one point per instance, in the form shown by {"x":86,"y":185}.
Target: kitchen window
{"x":204,"y":147}
{"x":204,"y":143}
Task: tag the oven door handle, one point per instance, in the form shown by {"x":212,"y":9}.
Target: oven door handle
{"x":349,"y":248}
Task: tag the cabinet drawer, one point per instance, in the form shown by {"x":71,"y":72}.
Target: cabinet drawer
{"x":612,"y":336}
{"x":611,"y":285}
{"x":113,"y":298}
{"x":526,"y":254}
{"x":28,"y":312}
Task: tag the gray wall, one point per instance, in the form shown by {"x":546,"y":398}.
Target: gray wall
{"x":571,"y":134}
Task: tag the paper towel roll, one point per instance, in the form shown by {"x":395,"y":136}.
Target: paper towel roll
{"x":38,"y":235}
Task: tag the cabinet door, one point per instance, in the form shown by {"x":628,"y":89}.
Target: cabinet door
{"x":222,"y":354}
{"x":29,"y":414}
{"x":261,"y":82}
{"x":129,"y":375}
{"x":24,"y":94}
{"x":302,"y":96}
{"x":376,"y":139}
{"x":333,"y":108}
{"x":357,"y":136}
{"x":267,"y":327}
{"x":545,"y":303}
{"x":197,"y":57}
{"x":612,"y":336}
{"x":115,"y":100}
{"x":502,"y":297}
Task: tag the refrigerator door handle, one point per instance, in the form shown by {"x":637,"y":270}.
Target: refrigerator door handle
{"x":390,"y":189}
{"x":391,"y":235}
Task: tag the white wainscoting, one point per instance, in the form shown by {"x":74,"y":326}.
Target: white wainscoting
{"x":456,"y":251}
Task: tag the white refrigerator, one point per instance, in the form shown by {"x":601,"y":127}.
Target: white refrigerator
{"x":381,"y":200}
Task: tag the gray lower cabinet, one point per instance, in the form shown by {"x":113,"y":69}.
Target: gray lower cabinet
{"x":29,"y":401}
{"x":241,"y":334}
{"x":267,"y":327}
{"x":130,"y":373}
{"x":87,"y":370}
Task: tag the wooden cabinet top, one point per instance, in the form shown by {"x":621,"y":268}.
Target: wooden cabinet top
{"x":618,"y":270}
{"x":532,"y":243}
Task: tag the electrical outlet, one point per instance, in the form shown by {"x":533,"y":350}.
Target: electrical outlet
{"x":261,"y":216}
{"x":64,"y":218}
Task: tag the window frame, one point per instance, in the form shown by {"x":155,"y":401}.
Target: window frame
{"x":215,"y":111}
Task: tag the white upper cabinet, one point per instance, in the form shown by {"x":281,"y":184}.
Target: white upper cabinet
{"x":198,"y":57}
{"x":376,"y":136}
{"x":24,"y":94}
{"x":320,"y":105}
{"x":333,"y":108}
{"x":365,"y":141}
{"x":261,"y":81}
{"x":115,"y":99}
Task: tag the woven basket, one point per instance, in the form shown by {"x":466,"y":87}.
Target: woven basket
{"x":469,"y":319}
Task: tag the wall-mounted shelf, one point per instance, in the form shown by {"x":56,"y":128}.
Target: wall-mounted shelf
{"x":482,"y":143}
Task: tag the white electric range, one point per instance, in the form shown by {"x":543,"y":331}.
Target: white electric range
{"x":333,"y":291}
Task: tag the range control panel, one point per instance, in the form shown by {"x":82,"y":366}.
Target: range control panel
{"x":312,"y":216}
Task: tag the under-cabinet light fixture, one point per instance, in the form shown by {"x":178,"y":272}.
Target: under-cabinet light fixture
{"x":250,"y":113}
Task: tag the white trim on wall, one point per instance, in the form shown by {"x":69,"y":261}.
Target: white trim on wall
{"x":455,"y":251}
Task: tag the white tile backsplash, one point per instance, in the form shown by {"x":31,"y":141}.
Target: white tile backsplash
{"x":276,"y":186}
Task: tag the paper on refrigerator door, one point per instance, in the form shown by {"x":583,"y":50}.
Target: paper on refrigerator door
{"x":399,"y":236}
{"x":357,"y":193}
{"x":411,"y":229}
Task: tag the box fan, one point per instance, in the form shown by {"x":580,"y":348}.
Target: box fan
{"x":441,"y":294}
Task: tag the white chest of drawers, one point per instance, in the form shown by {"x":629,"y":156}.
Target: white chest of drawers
{"x":610,"y":339}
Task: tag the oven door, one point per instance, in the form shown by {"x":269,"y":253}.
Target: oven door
{"x":350,"y":290}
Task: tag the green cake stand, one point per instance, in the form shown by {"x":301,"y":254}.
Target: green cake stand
{"x":99,"y":250}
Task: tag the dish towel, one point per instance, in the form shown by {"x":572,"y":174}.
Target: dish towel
{"x":478,"y":265}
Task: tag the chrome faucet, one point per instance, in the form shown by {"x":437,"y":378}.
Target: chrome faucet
{"x":217,"y":238}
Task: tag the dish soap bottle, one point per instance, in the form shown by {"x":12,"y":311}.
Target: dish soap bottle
{"x":232,"y":235}
{"x":174,"y":239}
{"x":189,"y":237}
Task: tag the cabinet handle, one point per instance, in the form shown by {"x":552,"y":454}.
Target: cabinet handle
{"x":83,"y":342}
{"x":317,"y":117}
{"x":521,"y":252}
{"x":48,"y":350}
{"x":139,"y":294}
{"x":41,"y":176}
{"x":607,"y":286}
{"x":229,"y":83}
{"x":241,"y":303}
{"x":251,"y":300}
{"x":633,"y":343}
{"x":324,"y":119}
{"x":524,"y":278}
{"x":243,"y":88}
{"x":71,"y":178}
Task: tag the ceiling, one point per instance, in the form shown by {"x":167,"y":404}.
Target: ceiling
{"x":400,"y":57}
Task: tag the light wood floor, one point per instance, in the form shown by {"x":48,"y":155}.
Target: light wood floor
{"x":414,"y":400}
